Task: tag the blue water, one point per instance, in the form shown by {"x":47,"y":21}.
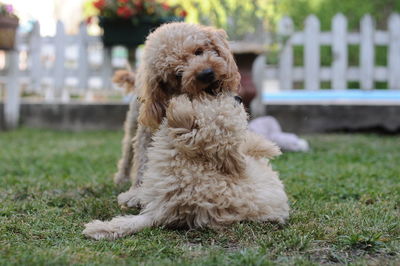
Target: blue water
{"x":332,"y":95}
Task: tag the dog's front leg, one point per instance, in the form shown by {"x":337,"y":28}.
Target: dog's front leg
{"x":118,"y":227}
{"x":130,"y":198}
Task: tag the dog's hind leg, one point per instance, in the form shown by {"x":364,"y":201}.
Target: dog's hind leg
{"x":130,"y":128}
{"x":275,"y":202}
{"x":118,"y":227}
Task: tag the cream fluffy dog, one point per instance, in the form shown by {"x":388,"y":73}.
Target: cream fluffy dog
{"x":205,"y":169}
{"x":178,"y":59}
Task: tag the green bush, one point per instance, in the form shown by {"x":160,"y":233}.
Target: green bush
{"x":239,"y":17}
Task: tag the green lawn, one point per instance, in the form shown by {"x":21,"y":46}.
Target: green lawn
{"x":344,"y":195}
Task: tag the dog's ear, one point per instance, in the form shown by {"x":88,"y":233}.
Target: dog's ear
{"x":154,"y":103}
{"x":258,"y":147}
{"x":180,"y":113}
{"x":219,"y":40}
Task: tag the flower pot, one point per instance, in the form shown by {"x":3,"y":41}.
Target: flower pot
{"x":125,"y":32}
{"x":8,"y":30}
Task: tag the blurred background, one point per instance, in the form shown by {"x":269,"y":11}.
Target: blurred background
{"x":293,"y":53}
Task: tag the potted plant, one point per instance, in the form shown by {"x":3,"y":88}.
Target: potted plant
{"x":8,"y":27}
{"x":128,"y":22}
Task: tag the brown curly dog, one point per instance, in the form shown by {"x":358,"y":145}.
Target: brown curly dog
{"x":206,"y":170}
{"x":178,"y":59}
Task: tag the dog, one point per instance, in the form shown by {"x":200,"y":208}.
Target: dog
{"x":178,"y":58}
{"x":205,"y":169}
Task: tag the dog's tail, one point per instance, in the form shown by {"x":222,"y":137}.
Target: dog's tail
{"x":125,"y":78}
{"x":259,"y":147}
{"x":118,"y":227}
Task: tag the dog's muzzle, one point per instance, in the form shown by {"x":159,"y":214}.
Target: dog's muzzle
{"x":213,"y":88}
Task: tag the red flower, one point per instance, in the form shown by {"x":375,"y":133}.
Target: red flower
{"x":99,"y":4}
{"x":124,"y":12}
{"x":183,"y":13}
{"x":165,"y":6}
{"x":138,"y":6}
{"x":123,"y":1}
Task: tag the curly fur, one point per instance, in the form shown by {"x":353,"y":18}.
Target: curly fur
{"x":204,"y":170}
{"x":173,"y":56}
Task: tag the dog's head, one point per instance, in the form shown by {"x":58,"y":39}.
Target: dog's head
{"x":212,"y":129}
{"x":181,"y":58}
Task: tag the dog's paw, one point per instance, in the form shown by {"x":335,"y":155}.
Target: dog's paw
{"x":118,"y":227}
{"x":129,"y":199}
{"x":100,"y":230}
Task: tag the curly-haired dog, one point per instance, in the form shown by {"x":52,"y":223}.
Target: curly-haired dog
{"x":178,"y":58}
{"x":204,"y":170}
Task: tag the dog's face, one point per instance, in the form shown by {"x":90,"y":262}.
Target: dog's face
{"x":181,"y":58}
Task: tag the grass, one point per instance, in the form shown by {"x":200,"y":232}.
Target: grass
{"x":344,"y":197}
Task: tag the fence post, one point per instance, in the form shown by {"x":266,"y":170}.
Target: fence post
{"x":35,"y":65}
{"x":311,"y":53}
{"x":107,"y":68}
{"x":258,"y":74}
{"x":394,"y":52}
{"x":367,"y":54}
{"x":59,"y":42}
{"x":12,"y":97}
{"x":339,"y":50}
{"x":83,"y":64}
{"x":285,"y":30}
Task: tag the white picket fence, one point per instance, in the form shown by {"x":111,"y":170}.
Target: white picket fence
{"x":339,"y":39}
{"x":55,"y":75}
{"x":62,"y":62}
{"x":277,"y":82}
{"x":53,"y":68}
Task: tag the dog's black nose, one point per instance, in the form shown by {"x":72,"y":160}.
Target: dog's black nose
{"x":206,"y":76}
{"x":238,"y":99}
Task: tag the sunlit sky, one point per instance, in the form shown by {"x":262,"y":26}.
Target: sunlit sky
{"x":47,"y":12}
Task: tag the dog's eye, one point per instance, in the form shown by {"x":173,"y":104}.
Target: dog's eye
{"x":198,"y":51}
{"x":178,"y":75}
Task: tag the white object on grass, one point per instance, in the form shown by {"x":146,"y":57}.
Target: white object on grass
{"x":269,"y":127}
